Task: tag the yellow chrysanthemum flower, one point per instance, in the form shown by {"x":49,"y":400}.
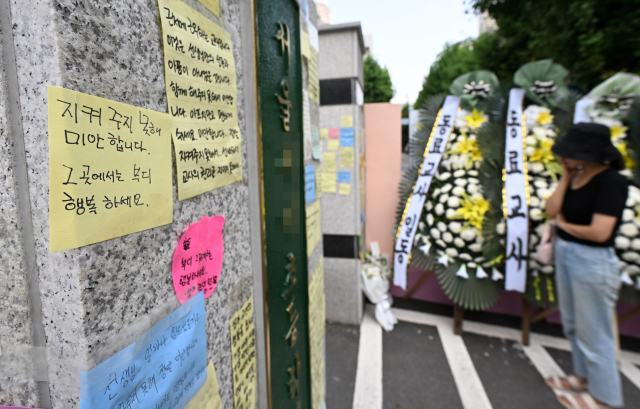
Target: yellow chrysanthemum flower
{"x":545,"y":117}
{"x":628,"y":161}
{"x":467,"y":146}
{"x":475,"y":119}
{"x":543,"y":153}
{"x":472,"y":210}
{"x":618,"y":132}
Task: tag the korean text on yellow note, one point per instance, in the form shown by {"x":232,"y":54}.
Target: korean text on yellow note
{"x":208,"y":396}
{"x":347,"y":157}
{"x":347,"y":121}
{"x":243,"y":357}
{"x":314,"y":226}
{"x":329,"y":162}
{"x":200,"y":78}
{"x":109,"y":169}
{"x":345,"y":189}
{"x":329,"y":182}
{"x":333,"y":144}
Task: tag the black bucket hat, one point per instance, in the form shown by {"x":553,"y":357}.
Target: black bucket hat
{"x":589,"y":142}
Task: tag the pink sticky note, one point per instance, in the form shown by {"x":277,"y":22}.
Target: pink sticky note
{"x":197,"y":260}
{"x":334,"y":133}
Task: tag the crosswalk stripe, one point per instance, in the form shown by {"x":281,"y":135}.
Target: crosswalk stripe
{"x":631,"y":371}
{"x":368,"y":388}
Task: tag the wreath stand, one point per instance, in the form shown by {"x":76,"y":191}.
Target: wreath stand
{"x":527,"y":319}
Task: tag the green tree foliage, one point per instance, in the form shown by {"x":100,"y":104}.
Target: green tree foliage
{"x":455,"y":60}
{"x":377,"y":82}
{"x":593,"y":39}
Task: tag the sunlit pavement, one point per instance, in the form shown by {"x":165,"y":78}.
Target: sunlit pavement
{"x":422,"y":364}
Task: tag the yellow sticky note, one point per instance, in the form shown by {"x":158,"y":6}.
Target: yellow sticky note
{"x":347,"y":157}
{"x":345,"y":189}
{"x":314,"y":226}
{"x":243,"y":357}
{"x":306,"y":50}
{"x":317,"y":307}
{"x":200,"y":79}
{"x":324,"y":133}
{"x":212,"y":5}
{"x":208,"y":396}
{"x":329,"y":182}
{"x":314,"y":79}
{"x":347,"y":121}
{"x":109,"y":169}
{"x":329,"y":162}
{"x":318,"y":182}
{"x":333,"y":144}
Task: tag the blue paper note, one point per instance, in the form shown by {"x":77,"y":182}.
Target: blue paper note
{"x":344,"y":177}
{"x":310,"y":183}
{"x":163,"y":369}
{"x":346,"y":136}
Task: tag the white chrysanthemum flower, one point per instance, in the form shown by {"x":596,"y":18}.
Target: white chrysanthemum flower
{"x":629,"y":230}
{"x":451,"y":252}
{"x":458,"y":191}
{"x":622,"y":243}
{"x":429,"y":219}
{"x":458,"y":173}
{"x":429,"y":206}
{"x":455,"y":227}
{"x":534,"y":201}
{"x":544,"y":193}
{"x":533,"y":240}
{"x":468,"y":234}
{"x":530,"y":150}
{"x":630,"y":256}
{"x":442,"y":227}
{"x":460,"y":182}
{"x":541,"y":183}
{"x":472,"y":172}
{"x":532,"y":113}
{"x":421,"y":226}
{"x":500,"y":228}
{"x":447,"y":237}
{"x":631,"y":202}
{"x":475,"y":181}
{"x":635,"y":244}
{"x":628,"y":215}
{"x":450,"y":212}
{"x":634,"y":192}
{"x":472,"y":189}
{"x":453,"y":202}
{"x":547,"y":269}
{"x":536,"y":167}
{"x":441,"y":243}
{"x":476,"y":248}
{"x":632,"y":269}
{"x":443,"y":198}
{"x":444,"y":176}
{"x":439,"y":209}
{"x":480,"y":239}
{"x":533,"y":263}
{"x":536,"y":214}
{"x":458,"y":242}
{"x":446,"y":188}
{"x":435,"y":233}
{"x":472,"y":265}
{"x":539,"y":132}
{"x":465,"y":257}
{"x":531,"y":140}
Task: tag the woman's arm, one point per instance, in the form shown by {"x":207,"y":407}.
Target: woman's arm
{"x":554,"y":202}
{"x":599,"y":230}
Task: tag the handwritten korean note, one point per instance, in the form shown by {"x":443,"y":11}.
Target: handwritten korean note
{"x":109,"y":169}
{"x":318,"y":182}
{"x":328,"y":182}
{"x":317,"y":307}
{"x":347,"y":157}
{"x":344,"y":177}
{"x":243,"y":357}
{"x":162,"y":369}
{"x":197,"y":260}
{"x":200,"y":78}
{"x":314,"y":79}
{"x":346,"y":136}
{"x":324,"y":133}
{"x":208,"y":397}
{"x":314,"y":226}
{"x":333,"y":144}
{"x":329,"y":162}
{"x":344,"y":189}
{"x":347,"y":121}
{"x":212,"y":5}
{"x":310,"y":183}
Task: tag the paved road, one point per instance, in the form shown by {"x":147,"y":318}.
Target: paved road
{"x":421,"y":364}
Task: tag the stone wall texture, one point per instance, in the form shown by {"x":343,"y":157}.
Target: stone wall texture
{"x":99,"y":298}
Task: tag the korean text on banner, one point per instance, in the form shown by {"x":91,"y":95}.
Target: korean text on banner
{"x":432,"y":155}
{"x":516,"y":193}
{"x":163,"y":368}
{"x":243,"y":357}
{"x":109,"y":169}
{"x":200,"y":76}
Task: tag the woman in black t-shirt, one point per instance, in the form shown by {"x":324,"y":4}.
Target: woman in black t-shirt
{"x":587,"y":206}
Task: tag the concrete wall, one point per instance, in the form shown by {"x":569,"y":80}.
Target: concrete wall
{"x":99,"y":298}
{"x":383,"y":159}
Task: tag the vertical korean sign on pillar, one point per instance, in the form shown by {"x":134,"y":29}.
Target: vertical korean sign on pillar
{"x":433,"y":153}
{"x":516,"y":195}
{"x":280,"y":133}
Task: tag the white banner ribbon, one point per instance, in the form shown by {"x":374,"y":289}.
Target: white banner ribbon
{"x":515,"y":201}
{"x":432,"y":155}
{"x":580,"y":113}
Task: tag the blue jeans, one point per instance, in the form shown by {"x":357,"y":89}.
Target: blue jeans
{"x":587,"y":281}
